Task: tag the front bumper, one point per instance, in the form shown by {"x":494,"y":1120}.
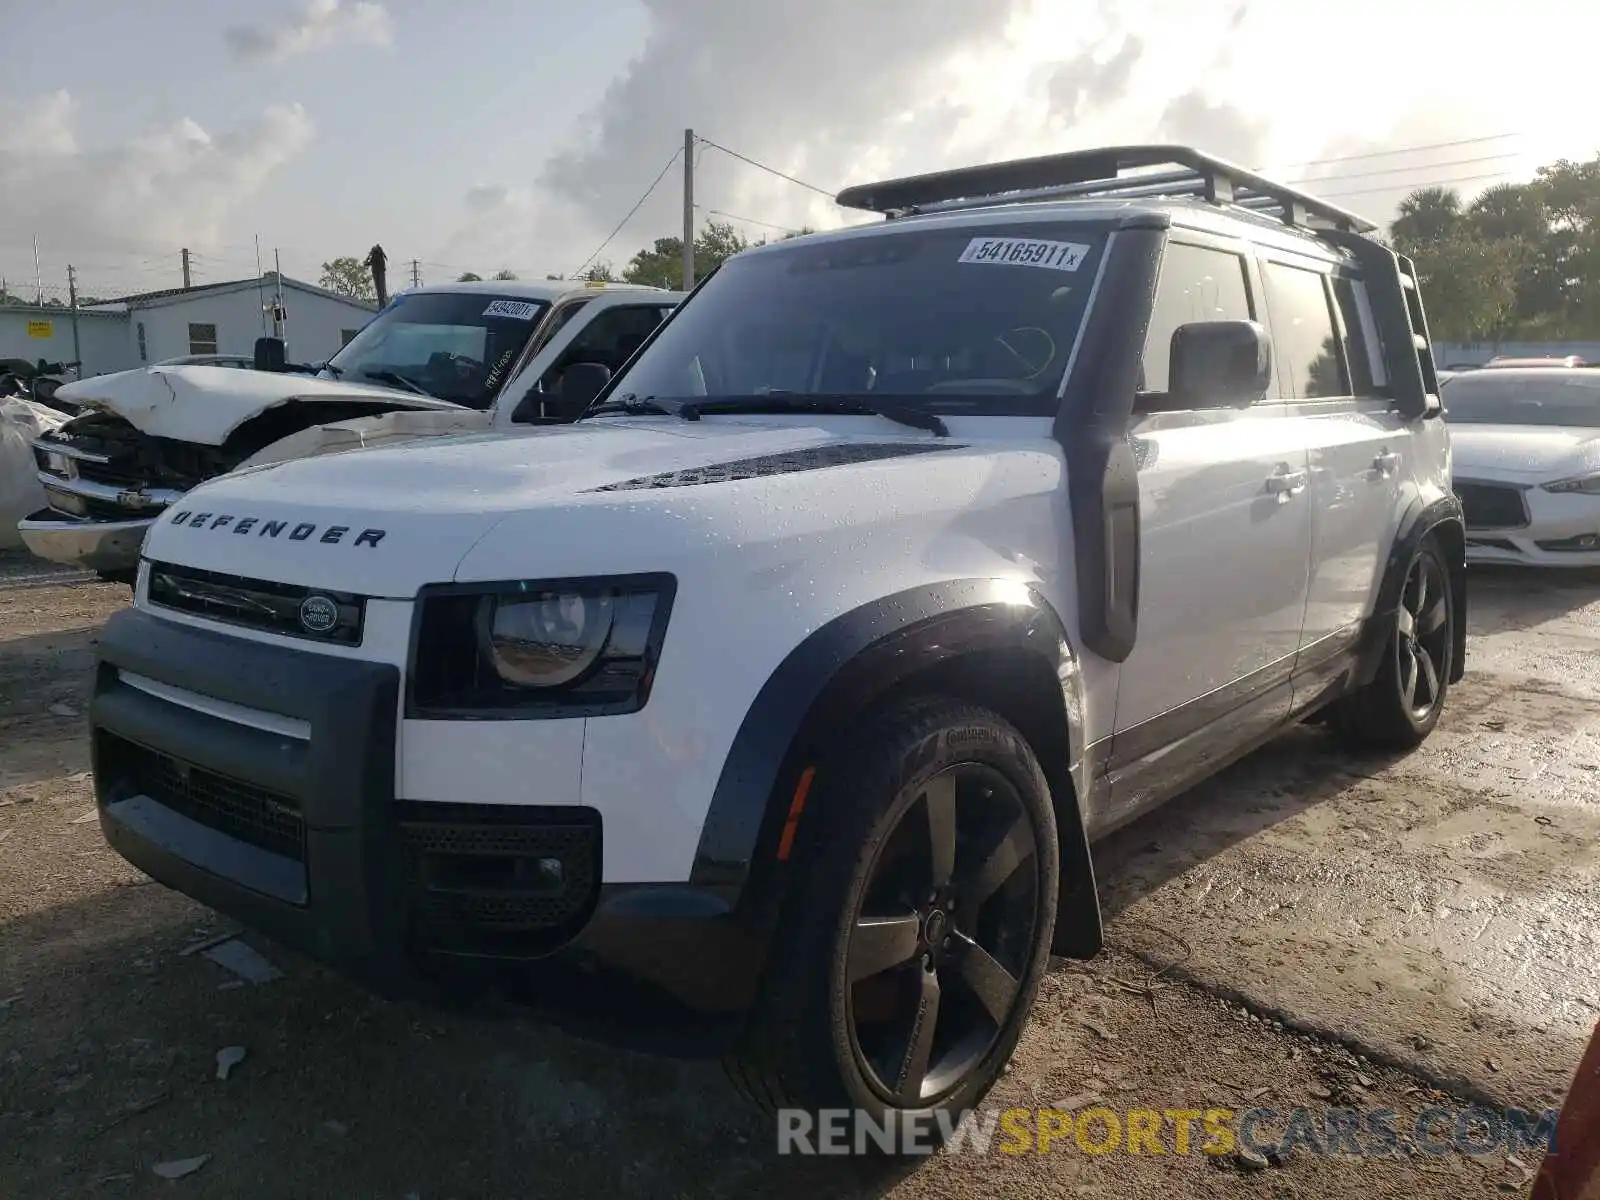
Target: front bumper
{"x":105,"y":546}
{"x":259,"y":780}
{"x":1528,"y":526}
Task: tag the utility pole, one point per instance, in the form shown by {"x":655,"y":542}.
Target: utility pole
{"x":416,"y":273}
{"x":38,"y":282}
{"x":186,"y":270}
{"x":72,"y":300}
{"x":261,"y":287}
{"x":279,"y":317}
{"x":688,"y":209}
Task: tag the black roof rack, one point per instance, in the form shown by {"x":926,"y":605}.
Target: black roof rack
{"x":1100,"y":173}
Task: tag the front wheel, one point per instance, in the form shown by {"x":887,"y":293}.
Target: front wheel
{"x":1404,"y":701}
{"x":905,"y":966}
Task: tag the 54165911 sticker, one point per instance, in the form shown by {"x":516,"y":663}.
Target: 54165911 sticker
{"x":518,"y":310}
{"x":1025,"y":252}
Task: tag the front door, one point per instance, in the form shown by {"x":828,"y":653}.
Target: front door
{"x":1225,"y":543}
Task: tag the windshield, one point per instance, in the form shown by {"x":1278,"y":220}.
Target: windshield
{"x":457,"y":346}
{"x":1492,"y":398}
{"x":955,"y":319}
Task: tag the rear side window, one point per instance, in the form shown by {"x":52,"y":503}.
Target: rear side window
{"x":1196,"y":284}
{"x":1310,"y":361}
{"x":1361,"y":336}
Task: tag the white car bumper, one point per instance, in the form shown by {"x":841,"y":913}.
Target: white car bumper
{"x":1524,"y":524}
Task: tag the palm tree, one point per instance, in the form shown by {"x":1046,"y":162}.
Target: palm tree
{"x":1427,"y":216}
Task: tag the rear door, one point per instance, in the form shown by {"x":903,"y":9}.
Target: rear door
{"x":1225,"y":540}
{"x":1358,"y":443}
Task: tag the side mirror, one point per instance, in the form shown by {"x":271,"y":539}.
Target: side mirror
{"x":581,"y":383}
{"x":1218,"y":364}
{"x":271,"y":354}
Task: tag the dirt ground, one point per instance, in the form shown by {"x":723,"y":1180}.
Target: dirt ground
{"x":1390,"y":935}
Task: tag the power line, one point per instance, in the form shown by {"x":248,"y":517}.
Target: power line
{"x":717,"y":212}
{"x":763,"y":166}
{"x":1412,"y":187}
{"x":1459,"y":162}
{"x":655,"y":183}
{"x":1473,"y":141}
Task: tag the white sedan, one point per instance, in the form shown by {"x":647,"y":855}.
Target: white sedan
{"x":1526,"y":445}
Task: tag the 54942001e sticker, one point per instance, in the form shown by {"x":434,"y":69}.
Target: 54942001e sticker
{"x":518,"y":310}
{"x":1025,"y":252}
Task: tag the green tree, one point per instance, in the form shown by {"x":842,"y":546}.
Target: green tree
{"x":505,"y":273}
{"x":600,"y":272}
{"x":662,"y":264}
{"x":349,"y":277}
{"x":469,"y":277}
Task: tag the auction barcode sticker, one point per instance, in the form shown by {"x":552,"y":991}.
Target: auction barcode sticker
{"x":521,"y":310}
{"x":1025,"y":252}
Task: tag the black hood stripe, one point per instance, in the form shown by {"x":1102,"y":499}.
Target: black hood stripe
{"x":812,"y":458}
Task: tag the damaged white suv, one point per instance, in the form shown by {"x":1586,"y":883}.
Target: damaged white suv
{"x":445,"y":358}
{"x":784,"y":693}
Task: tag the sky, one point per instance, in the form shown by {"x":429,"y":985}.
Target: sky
{"x":517,"y":134}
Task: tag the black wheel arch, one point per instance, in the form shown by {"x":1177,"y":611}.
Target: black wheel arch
{"x":988,"y":641}
{"x":1442,"y":520}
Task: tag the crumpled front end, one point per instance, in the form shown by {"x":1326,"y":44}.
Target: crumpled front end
{"x":104,"y":483}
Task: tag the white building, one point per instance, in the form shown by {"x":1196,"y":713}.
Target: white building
{"x":214,"y":318}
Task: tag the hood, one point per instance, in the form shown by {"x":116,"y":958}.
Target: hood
{"x":205,"y":404}
{"x":1523,"y":450}
{"x":387,"y":520}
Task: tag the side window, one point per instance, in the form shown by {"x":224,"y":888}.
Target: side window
{"x":1304,"y":338}
{"x":1196,"y":284}
{"x":611,"y":338}
{"x":557,"y":322}
{"x":202,"y":339}
{"x":1367,"y":375}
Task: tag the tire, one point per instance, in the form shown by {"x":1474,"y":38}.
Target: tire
{"x":862,"y":896}
{"x":1419,"y":653}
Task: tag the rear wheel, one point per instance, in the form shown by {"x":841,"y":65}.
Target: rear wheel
{"x":1404,"y":701}
{"x":903,"y":972}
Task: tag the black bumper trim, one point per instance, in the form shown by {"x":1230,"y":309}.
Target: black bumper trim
{"x":673,"y":955}
{"x":249,"y":866}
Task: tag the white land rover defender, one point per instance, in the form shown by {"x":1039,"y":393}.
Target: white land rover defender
{"x":786,"y":691}
{"x":439,"y":359}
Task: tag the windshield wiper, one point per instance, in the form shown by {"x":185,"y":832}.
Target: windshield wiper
{"x":395,"y":377}
{"x":639,"y":406}
{"x":780,"y":402}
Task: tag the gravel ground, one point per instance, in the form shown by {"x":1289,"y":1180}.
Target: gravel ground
{"x":1286,"y":936}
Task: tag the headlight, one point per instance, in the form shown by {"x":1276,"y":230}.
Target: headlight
{"x":1587,"y":484}
{"x":548,"y":641}
{"x":562,"y":648}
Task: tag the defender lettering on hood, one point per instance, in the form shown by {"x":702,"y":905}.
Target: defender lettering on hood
{"x":304,"y":531}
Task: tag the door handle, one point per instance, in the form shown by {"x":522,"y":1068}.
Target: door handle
{"x":1286,"y":484}
{"x":1386,"y":463}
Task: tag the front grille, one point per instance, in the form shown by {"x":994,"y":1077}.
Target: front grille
{"x":481,"y":878}
{"x":283,"y":608}
{"x":1492,"y":506}
{"x":241,"y":810}
{"x":1494,"y":543}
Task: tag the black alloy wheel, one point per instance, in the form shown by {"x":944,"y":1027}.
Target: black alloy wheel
{"x":941,"y":941}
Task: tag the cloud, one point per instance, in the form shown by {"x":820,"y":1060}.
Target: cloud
{"x":318,"y":25}
{"x":175,"y":185}
{"x":1220,"y":129}
{"x":808,"y":87}
{"x":1088,"y":82}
